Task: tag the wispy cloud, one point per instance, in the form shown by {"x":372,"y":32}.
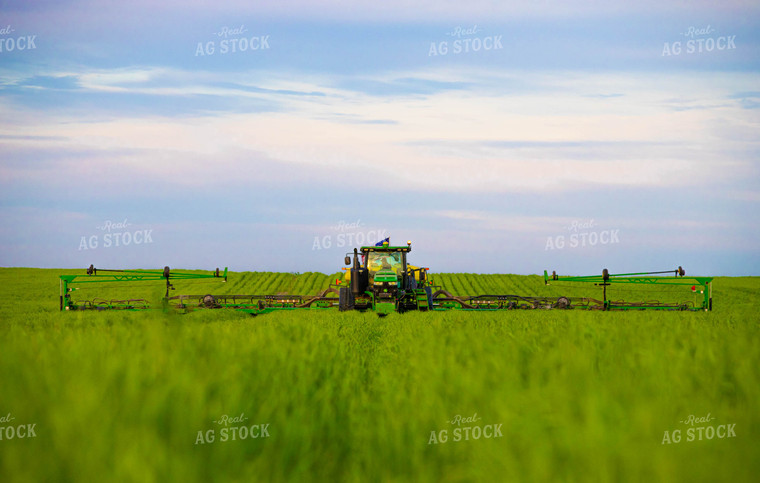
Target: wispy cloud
{"x":419,"y":138}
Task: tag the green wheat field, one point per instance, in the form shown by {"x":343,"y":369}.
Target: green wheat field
{"x":148,"y":396}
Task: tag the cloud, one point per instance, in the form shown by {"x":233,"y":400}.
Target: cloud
{"x":464,"y":134}
{"x":389,"y":86}
{"x":748,"y":100}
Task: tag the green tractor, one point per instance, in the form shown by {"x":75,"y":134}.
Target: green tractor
{"x":381,"y":280}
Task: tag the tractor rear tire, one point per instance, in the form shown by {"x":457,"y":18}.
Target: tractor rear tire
{"x":345,"y":299}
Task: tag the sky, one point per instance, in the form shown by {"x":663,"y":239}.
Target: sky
{"x":498,"y":137}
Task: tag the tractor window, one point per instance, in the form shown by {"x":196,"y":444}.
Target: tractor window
{"x":384,"y":261}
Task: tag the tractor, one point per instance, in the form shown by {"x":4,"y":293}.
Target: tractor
{"x":383,"y":282}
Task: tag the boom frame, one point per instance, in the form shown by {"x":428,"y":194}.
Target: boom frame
{"x":111,"y":276}
{"x":607,"y":279}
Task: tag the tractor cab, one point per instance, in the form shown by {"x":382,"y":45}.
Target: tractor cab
{"x":384,"y":263}
{"x":382,"y":269}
